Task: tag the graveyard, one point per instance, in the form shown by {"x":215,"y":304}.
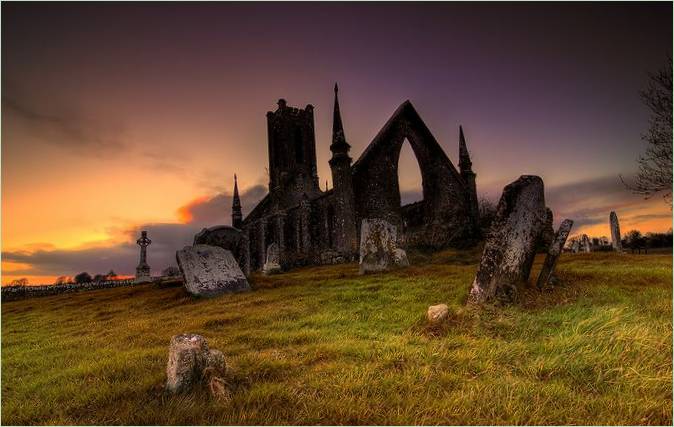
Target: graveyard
{"x":326,"y":345}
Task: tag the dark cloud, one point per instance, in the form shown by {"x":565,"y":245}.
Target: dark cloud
{"x":219,"y":207}
{"x":123,"y":257}
{"x":65,"y":130}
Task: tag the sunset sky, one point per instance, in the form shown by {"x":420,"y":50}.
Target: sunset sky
{"x":122,"y":117}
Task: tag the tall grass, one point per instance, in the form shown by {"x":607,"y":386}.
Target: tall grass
{"x":323,"y":345}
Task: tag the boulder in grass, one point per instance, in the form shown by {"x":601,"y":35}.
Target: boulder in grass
{"x":437,"y":313}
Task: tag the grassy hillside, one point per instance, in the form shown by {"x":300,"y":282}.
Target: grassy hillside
{"x":325,"y":346}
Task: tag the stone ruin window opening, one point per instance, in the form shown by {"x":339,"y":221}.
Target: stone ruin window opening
{"x":410,"y":187}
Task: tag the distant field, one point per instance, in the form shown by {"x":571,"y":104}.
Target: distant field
{"x":323,"y":345}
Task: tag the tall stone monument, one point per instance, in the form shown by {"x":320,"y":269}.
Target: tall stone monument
{"x":511,"y":246}
{"x":143,"y":269}
{"x":615,"y":232}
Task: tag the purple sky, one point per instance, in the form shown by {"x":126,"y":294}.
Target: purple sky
{"x":146,"y":108}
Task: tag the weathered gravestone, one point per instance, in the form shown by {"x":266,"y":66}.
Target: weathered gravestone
{"x":210,"y":271}
{"x":585,"y":244}
{"x":191,"y":362}
{"x":378,"y":251}
{"x":273,"y":263}
{"x":553,"y":253}
{"x":615,"y":232}
{"x":511,"y":246}
{"x":228,"y":238}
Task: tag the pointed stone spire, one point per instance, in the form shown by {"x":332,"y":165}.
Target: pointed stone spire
{"x":237,"y":217}
{"x":339,"y":144}
{"x":464,"y":158}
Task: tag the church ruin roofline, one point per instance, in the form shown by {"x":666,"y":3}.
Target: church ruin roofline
{"x":405,"y":111}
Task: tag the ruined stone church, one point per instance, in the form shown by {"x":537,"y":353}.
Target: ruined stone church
{"x":311,"y":226}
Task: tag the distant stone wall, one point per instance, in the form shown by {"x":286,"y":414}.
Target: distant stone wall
{"x":11,"y":293}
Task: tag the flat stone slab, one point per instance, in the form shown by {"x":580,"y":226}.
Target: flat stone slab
{"x":210,"y":271}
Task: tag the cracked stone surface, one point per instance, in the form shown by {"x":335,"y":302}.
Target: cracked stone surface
{"x":511,"y":246}
{"x":378,"y":247}
{"x":210,"y":271}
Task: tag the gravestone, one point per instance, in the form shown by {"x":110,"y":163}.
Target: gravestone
{"x":553,"y":253}
{"x":143,"y":269}
{"x":378,"y":251}
{"x":190,"y":362}
{"x":575,"y":245}
{"x":511,"y":246}
{"x":273,"y":263}
{"x":210,"y":271}
{"x":615,"y":232}
{"x":585,"y":244}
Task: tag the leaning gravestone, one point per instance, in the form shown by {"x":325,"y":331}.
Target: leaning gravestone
{"x":511,"y":246}
{"x":273,"y":263}
{"x":378,"y":251}
{"x":615,"y":232}
{"x":553,"y":253}
{"x":210,"y":271}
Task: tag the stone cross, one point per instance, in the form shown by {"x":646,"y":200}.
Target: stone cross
{"x":615,"y":232}
{"x":143,"y":269}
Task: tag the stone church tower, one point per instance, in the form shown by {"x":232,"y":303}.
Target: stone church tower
{"x":346,"y":234}
{"x":292,"y":154}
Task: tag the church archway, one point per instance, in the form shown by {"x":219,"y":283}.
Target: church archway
{"x":444,"y":213}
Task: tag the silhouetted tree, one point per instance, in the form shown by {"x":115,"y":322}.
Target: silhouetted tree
{"x":111,"y":275}
{"x":19,"y":282}
{"x":100,"y":278}
{"x":633,"y":239}
{"x":62,"y":280}
{"x":83,"y":277}
{"x":655,"y":166}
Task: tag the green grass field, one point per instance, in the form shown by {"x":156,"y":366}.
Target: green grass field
{"x":323,"y":345}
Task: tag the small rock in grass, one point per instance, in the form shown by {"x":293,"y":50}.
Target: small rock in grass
{"x":437,"y":313}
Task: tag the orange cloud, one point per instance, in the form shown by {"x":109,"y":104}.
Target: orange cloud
{"x":185,"y":214}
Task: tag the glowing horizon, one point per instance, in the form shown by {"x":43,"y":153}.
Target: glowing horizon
{"x":129,"y":128}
